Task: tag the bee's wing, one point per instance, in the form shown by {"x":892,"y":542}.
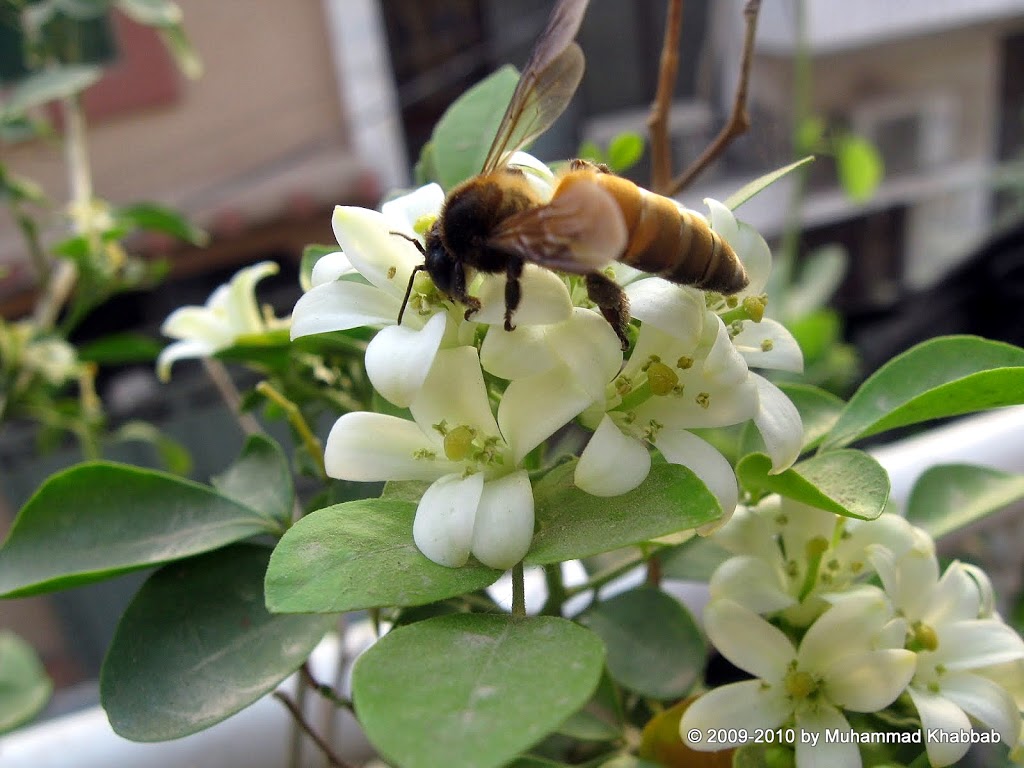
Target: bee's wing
{"x":546,"y":86}
{"x":579,"y":231}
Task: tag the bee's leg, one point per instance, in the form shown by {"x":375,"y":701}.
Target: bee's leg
{"x":579,"y":164}
{"x":460,"y":294}
{"x":613,"y":303}
{"x":513,"y":291}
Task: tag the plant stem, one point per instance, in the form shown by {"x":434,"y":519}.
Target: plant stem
{"x":518,"y":591}
{"x":229,"y":394}
{"x":657,"y":121}
{"x":738,"y":122}
{"x":298,"y":422}
{"x":324,"y":747}
{"x":608,"y":574}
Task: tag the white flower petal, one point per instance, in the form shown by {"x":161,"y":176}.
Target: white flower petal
{"x":180,"y":350}
{"x":198,"y":324}
{"x":402,"y":213}
{"x":386,"y":260}
{"x":747,"y":706}
{"x":985,"y":701}
{"x":534,"y":408}
{"x":537,"y":173}
{"x":443,"y":528}
{"x":751,"y":582}
{"x":753,"y":251}
{"x":824,"y":753}
{"x":454,"y":393}
{"x":722,"y":220}
{"x":330,"y":267}
{"x":589,"y":348}
{"x":612,"y":463}
{"x":869,"y":682}
{"x":372,"y":447}
{"x":779,"y":423}
{"x":939,"y":712}
{"x":848,"y":627}
{"x":724,"y":365}
{"x":977,"y":643}
{"x":398,"y":359}
{"x":955,"y":597}
{"x":704,"y":460}
{"x":748,"y":641}
{"x":242,"y":310}
{"x":504,"y":521}
{"x":340,"y":305}
{"x":519,"y":353}
{"x":674,"y":309}
{"x":545,"y":299}
{"x":768,"y":344}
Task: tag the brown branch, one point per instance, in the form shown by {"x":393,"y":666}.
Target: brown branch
{"x":739,"y":120}
{"x":229,"y":394}
{"x":332,"y":758}
{"x":657,"y":121}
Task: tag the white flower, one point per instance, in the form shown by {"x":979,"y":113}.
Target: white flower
{"x":480,"y":501}
{"x":956,"y":648}
{"x":365,"y":283}
{"x":794,"y":559}
{"x":230,"y":312}
{"x":844,"y":662}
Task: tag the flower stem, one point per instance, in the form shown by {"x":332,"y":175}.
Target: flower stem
{"x":608,"y":574}
{"x":298,"y":422}
{"x":300,"y":719}
{"x":518,"y":591}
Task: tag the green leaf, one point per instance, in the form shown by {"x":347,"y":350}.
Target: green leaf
{"x":816,"y":333}
{"x":572,"y":524}
{"x":625,"y":151}
{"x":260,"y":480}
{"x":196,"y":646}
{"x":311,"y":254}
{"x":821,"y":275}
{"x":357,"y":555}
{"x":120,"y":348}
{"x":158,"y":218}
{"x":589,"y":150}
{"x":810,"y":134}
{"x":947,"y":376}
{"x":41,"y":87}
{"x":185,"y":56}
{"x":20,"y":189}
{"x":466,"y":130}
{"x":747,"y":191}
{"x":654,"y":646}
{"x":101,"y":519}
{"x":859,"y":166}
{"x":846,"y":482}
{"x":949,"y":497}
{"x":425,"y":170}
{"x":175,"y":456}
{"x":24,"y":685}
{"x":473,"y":690}
{"x":154,"y":13}
{"x":586,"y":726}
{"x":693,"y":560}
{"x":818,"y":410}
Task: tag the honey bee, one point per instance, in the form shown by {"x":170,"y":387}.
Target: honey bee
{"x":495,"y":222}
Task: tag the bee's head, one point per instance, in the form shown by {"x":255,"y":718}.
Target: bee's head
{"x":440,"y":264}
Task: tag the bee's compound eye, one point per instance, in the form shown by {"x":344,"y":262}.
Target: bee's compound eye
{"x":441,"y":267}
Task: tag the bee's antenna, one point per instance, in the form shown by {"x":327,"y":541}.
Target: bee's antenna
{"x":412,"y":277}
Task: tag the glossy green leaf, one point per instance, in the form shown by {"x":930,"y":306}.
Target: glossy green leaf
{"x":466,"y":130}
{"x":572,"y":524}
{"x":361,"y":554}
{"x":260,"y":479}
{"x":816,"y":333}
{"x":154,"y":13}
{"x":311,"y":254}
{"x":625,"y":151}
{"x":818,"y":410}
{"x":24,"y":685}
{"x":473,"y":690}
{"x":847,"y":482}
{"x":586,"y":726}
{"x":196,"y":645}
{"x":859,"y":166}
{"x":654,"y":646}
{"x":48,"y":85}
{"x":949,"y":497}
{"x":425,"y":170}
{"x":693,"y":560}
{"x":159,"y":218}
{"x":947,"y":376}
{"x":98,"y":520}
{"x":747,"y":191}
{"x":120,"y":348}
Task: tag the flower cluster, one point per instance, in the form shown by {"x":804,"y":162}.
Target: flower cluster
{"x":831,"y":614}
{"x":483,"y":399}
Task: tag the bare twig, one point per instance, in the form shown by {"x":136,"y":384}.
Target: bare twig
{"x":518,"y":591}
{"x":229,"y":393}
{"x":739,"y":120}
{"x":324,"y":747}
{"x":657,"y":121}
